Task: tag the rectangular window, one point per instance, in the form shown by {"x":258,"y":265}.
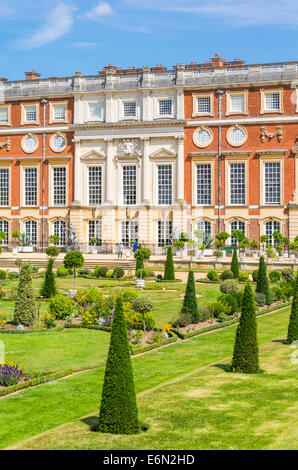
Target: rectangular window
{"x":272,"y":183}
{"x":30,"y":186}
{"x":165,"y":229}
{"x":30,"y":114}
{"x":3,"y":115}
{"x":129,"y":231}
{"x":59,"y":186}
{"x":4,"y":228}
{"x":4,"y":187}
{"x":204,"y":184}
{"x":204,"y":105}
{"x":95,"y":231}
{"x":165,"y":107}
{"x":237,"y":104}
{"x":129,"y":185}
{"x":237,"y":183}
{"x":272,"y":101}
{"x":94,"y":111}
{"x":59,"y":112}
{"x":165,"y":184}
{"x":129,"y":108}
{"x":95,"y":185}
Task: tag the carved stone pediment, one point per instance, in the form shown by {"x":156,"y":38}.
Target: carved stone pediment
{"x":163,"y":153}
{"x":93,"y":155}
{"x":131,"y":213}
{"x":129,"y":148}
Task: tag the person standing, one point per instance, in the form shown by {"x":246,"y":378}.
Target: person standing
{"x":135,"y":246}
{"x":120,"y":250}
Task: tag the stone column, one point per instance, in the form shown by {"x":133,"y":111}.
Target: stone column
{"x":180,"y":171}
{"x":77,"y":176}
{"x":146,"y":172}
{"x":109,"y":176}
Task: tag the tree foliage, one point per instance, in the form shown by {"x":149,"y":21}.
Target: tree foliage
{"x":293,"y":324}
{"x":235,"y":264}
{"x":169,"y":274}
{"x":48,"y":288}
{"x":262,"y":280}
{"x":190,"y":299}
{"x":25,"y":307}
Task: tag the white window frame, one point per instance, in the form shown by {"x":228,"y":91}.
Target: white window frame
{"x":264,"y":110}
{"x":230,"y":141}
{"x":121,"y":174}
{"x":35,"y":137}
{"x":24,"y":113}
{"x":24,"y":186}
{"x":195,"y":97}
{"x":229,"y":183}
{"x":97,"y":223}
{"x":280,"y":183}
{"x":53,"y":231}
{"x":158,"y":165}
{"x":102,"y":184}
{"x":2,"y":223}
{"x":129,"y":223}
{"x":8,"y":122}
{"x":53,"y":104}
{"x":8,"y":189}
{"x":52,"y":144}
{"x":234,"y":242}
{"x":196,"y":183}
{"x":31,"y":222}
{"x":100,"y":116}
{"x":53,"y":169}
{"x":270,"y":237}
{"x":229,"y":96}
{"x":204,"y":222}
{"x":196,"y":133}
{"x":167,"y":227}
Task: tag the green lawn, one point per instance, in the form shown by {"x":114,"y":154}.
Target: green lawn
{"x":34,"y":411}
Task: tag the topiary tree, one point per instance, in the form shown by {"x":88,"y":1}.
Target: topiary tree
{"x":293,"y":325}
{"x":118,"y":408}
{"x":142,"y":305}
{"x":262,"y":281}
{"x":74,"y":260}
{"x":25,"y":308}
{"x":140,"y":255}
{"x":190,"y":299}
{"x":169,"y":274}
{"x":48,"y":288}
{"x":246,"y":352}
{"x":52,"y":251}
{"x":235,"y":264}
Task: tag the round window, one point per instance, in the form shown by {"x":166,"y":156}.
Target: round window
{"x":58,"y":142}
{"x":203,"y":137}
{"x":237,"y":136}
{"x":29,"y":143}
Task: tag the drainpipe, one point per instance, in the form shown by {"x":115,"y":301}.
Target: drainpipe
{"x":44,"y":102}
{"x":219,"y":93}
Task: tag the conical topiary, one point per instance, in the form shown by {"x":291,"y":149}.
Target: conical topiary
{"x":190,"y":299}
{"x":293,"y":325}
{"x":25,"y":308}
{"x":246,"y":351}
{"x":235,"y":264}
{"x":169,"y":274}
{"x":262,"y":280}
{"x":48,"y":288}
{"x":118,"y":409}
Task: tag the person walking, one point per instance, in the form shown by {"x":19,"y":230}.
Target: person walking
{"x":135,"y":246}
{"x":120,"y":249}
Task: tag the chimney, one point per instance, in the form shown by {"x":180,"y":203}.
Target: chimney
{"x":217,"y":61}
{"x":32,"y":75}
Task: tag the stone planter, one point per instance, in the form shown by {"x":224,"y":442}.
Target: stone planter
{"x":183,"y":253}
{"x":292,"y":256}
{"x":25,"y":249}
{"x":218,"y":260}
{"x":193,"y":259}
{"x":92,"y":250}
{"x":208,"y":252}
{"x":140,"y":282}
{"x":255,"y":255}
{"x":242,"y":258}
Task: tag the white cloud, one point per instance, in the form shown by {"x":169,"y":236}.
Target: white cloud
{"x":102,"y":9}
{"x":59,"y":23}
{"x":87,"y":44}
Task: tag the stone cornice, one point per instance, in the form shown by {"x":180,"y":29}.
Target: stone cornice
{"x":127,"y":124}
{"x":247,"y":120}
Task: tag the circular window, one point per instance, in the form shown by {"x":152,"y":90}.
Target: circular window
{"x":236,"y":136}
{"x":58,"y":142}
{"x":202,"y":137}
{"x":29,"y":143}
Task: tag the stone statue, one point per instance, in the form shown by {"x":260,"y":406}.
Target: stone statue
{"x":72,"y":236}
{"x":176,"y":234}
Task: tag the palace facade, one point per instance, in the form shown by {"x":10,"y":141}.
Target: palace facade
{"x":140,"y":153}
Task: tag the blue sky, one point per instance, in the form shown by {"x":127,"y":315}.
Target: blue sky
{"x":59,"y":37}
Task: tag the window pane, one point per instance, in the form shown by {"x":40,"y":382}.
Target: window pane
{"x":237,"y":225}
{"x":31,"y":231}
{"x":94,"y":111}
{"x":205,"y":226}
{"x":59,"y":142}
{"x":30,"y":144}
{"x":95,"y":185}
{"x":204,"y":184}
{"x":165,"y":229}
{"x":272,"y":101}
{"x":3,"y":115}
{"x":60,"y":230}
{"x":4,"y":228}
{"x":165,"y":184}
{"x":237,"y":103}
{"x":203,"y":138}
{"x":165,"y":107}
{"x":59,"y":112}
{"x":129,"y":231}
{"x":130,"y":108}
{"x":4,"y":187}
{"x":272,"y":183}
{"x":59,"y":186}
{"x":129,"y":185}
{"x":30,"y":113}
{"x":237,"y":136}
{"x":237,"y":183}
{"x":270,"y":228}
{"x":95,"y":231}
{"x":30,"y":186}
{"x":204,"y":104}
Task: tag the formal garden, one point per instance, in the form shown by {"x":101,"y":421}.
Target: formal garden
{"x":161,"y":359}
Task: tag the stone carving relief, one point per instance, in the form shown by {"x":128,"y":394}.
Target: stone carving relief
{"x":5,"y":144}
{"x":129,"y":147}
{"x":271,"y":135}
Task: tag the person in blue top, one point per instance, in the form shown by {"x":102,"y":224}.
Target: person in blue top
{"x":135,"y":246}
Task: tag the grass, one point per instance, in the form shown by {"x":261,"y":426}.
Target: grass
{"x":35,"y":411}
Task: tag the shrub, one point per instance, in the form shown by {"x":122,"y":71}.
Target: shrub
{"x":218,"y":310}
{"x":118,"y":272}
{"x":101,"y":271}
{"x":212,"y":275}
{"x":25,"y":307}
{"x":13,"y":275}
{"x":203,"y":312}
{"x":230,"y":300}
{"x":279,"y":295}
{"x":48,"y":288}
{"x":109,"y":274}
{"x":243,"y":277}
{"x":235,"y":265}
{"x":255,"y":275}
{"x":142,"y":273}
{"x":129,"y":295}
{"x":93,"y":295}
{"x":3,"y":274}
{"x":226,"y":274}
{"x":287,"y":274}
{"x":61,"y":306}
{"x":274,"y":276}
{"x":260,"y":299}
{"x":118,"y":408}
{"x":136,"y":321}
{"x":183,"y":320}
{"x":62,"y":272}
{"x":10,"y":374}
{"x":229,"y":286}
{"x":239,"y":297}
{"x":169,"y":274}
{"x":246,"y":352}
{"x":262,"y":282}
{"x":142,"y":305}
{"x":52,"y":251}
{"x":293,"y":324}
{"x":84,"y":272}
{"x":287,"y":289}
{"x":190,"y":299}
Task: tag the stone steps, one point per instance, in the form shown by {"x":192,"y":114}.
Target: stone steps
{"x":9,"y":263}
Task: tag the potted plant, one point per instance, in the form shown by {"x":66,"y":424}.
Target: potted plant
{"x":202,"y":249}
{"x":263,"y":240}
{"x":286,"y":244}
{"x":184,"y":237}
{"x":278,"y":249}
{"x":218,"y":255}
{"x":140,"y":255}
{"x":221,"y":239}
{"x":17,"y":236}
{"x":54,"y":239}
{"x":179,"y":245}
{"x":243,"y":244}
{"x":191,"y":246}
{"x":293,"y":249}
{"x":93,"y":242}
{"x":254,"y":245}
{"x":270,"y":252}
{"x":26,"y":246}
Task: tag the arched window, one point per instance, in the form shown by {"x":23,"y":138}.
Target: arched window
{"x":236,"y":225}
{"x":31,"y":231}
{"x":59,"y":228}
{"x":205,"y":226}
{"x":270,"y":228}
{"x":4,"y":228}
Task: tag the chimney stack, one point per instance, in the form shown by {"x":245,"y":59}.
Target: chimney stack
{"x":32,"y":75}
